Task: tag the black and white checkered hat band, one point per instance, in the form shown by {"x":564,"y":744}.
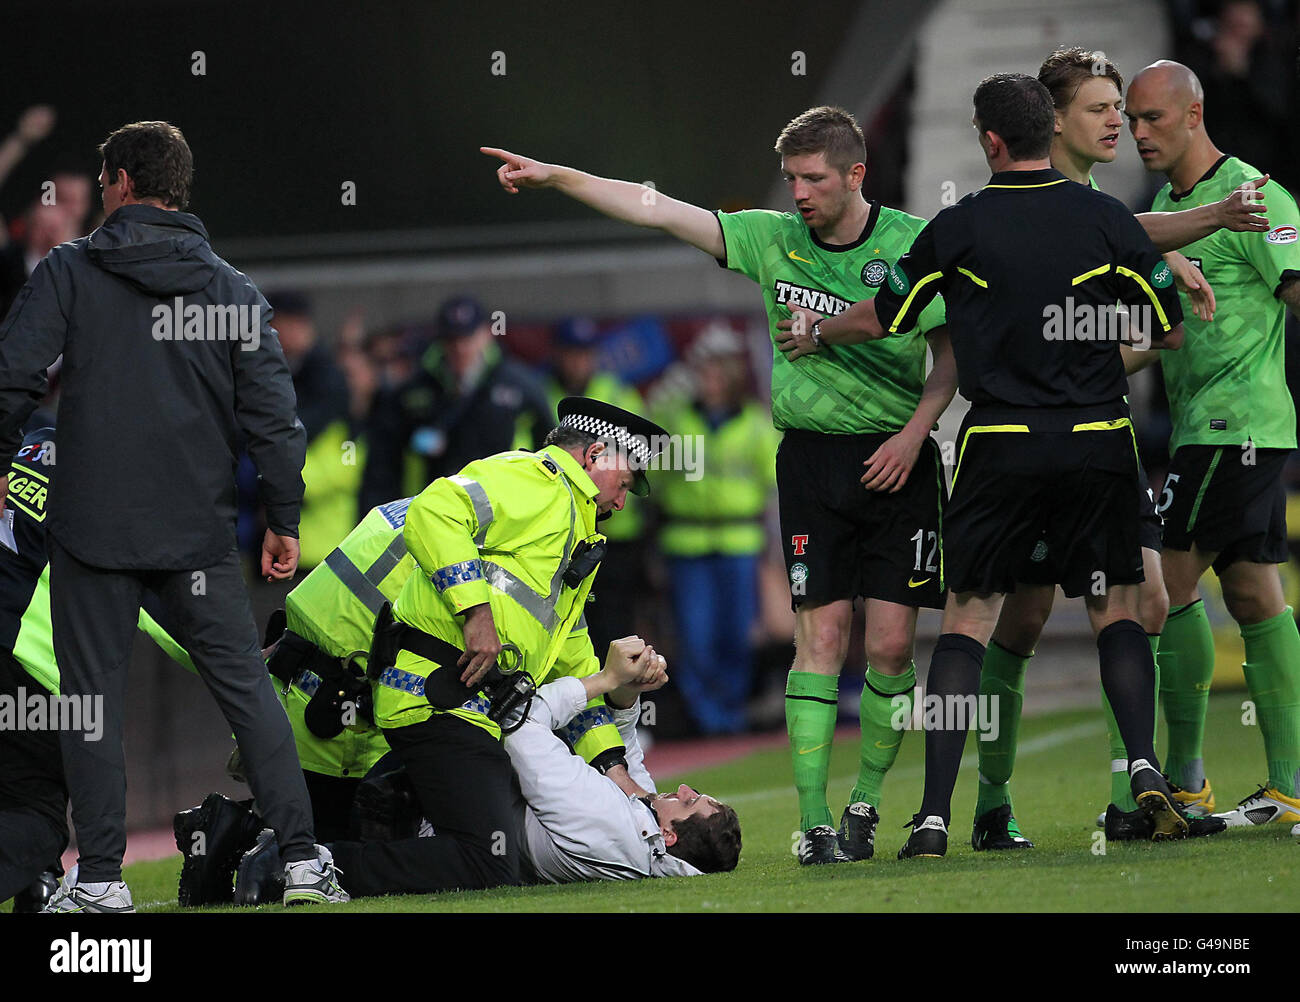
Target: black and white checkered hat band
{"x":635,"y":445}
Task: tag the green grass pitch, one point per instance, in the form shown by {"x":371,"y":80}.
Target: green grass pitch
{"x":1060,"y":786}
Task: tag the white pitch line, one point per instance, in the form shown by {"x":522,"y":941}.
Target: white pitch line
{"x":1031,"y":747}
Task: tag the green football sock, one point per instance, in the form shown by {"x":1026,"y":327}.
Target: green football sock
{"x":1273,"y":674}
{"x":886,"y":699}
{"x":1121,"y":795}
{"x":1003,"y":676}
{"x":811,"y":701}
{"x":1186,"y":670}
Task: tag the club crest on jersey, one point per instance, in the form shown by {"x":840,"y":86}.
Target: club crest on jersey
{"x":874,"y":273}
{"x":1161,"y":276}
{"x":799,"y":542}
{"x":798,"y":574}
{"x":1281,"y":235}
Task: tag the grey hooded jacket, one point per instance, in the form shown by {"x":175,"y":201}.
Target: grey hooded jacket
{"x":168,"y":355}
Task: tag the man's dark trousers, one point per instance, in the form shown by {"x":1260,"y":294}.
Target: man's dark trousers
{"x":463,"y":780}
{"x":94,"y":613}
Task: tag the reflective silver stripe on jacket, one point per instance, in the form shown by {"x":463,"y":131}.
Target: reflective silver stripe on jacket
{"x":482,"y":506}
{"x":541,"y":609}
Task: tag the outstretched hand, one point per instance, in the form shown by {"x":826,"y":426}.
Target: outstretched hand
{"x":1244,"y":211}
{"x":519,"y":172}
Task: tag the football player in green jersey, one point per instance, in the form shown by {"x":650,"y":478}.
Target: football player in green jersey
{"x":1087,"y":92}
{"x":856,"y":416}
{"x":1234,"y":428}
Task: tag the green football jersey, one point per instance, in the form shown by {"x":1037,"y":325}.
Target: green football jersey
{"x":843,"y":389}
{"x":1227,"y":384}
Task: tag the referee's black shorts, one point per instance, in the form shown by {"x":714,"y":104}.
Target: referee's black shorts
{"x":1227,"y":500}
{"x":1151,"y":530}
{"x":1044,"y":497}
{"x":841,"y":540}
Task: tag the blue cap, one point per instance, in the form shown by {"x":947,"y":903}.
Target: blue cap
{"x":460,"y":316}
{"x":576,"y":332}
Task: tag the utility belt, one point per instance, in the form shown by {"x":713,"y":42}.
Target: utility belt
{"x":504,"y":689}
{"x":337,"y":689}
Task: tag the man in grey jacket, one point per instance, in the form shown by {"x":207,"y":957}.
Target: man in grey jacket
{"x":168,"y":355}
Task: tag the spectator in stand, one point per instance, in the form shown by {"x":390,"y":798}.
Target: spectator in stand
{"x":467,"y":401}
{"x":332,"y":472}
{"x":1247,"y":68}
{"x":576,"y":372}
{"x":712,"y":534}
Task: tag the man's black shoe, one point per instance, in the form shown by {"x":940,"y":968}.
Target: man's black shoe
{"x":260,"y":877}
{"x":212,"y":837}
{"x":929,"y":838}
{"x":819,"y":845}
{"x":996,"y":830}
{"x":857,"y":834}
{"x":1156,"y":801}
{"x":32,"y":898}
{"x":385,"y":807}
{"x":1126,"y":826}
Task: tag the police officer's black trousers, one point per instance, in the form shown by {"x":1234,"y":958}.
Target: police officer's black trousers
{"x":94,"y":613}
{"x":33,"y":799}
{"x":462,"y":777}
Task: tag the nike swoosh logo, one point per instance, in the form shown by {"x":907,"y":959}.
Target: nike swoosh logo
{"x":916,"y":584}
{"x":894,"y":745}
{"x":795,"y":257}
{"x":809,"y":751}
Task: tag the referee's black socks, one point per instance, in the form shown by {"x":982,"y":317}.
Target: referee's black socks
{"x":1128,"y":676}
{"x":953,"y":684}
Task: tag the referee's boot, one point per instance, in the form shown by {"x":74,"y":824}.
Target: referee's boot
{"x":997,"y":830}
{"x":857,"y":834}
{"x":1156,"y":801}
{"x":212,"y":837}
{"x":929,"y":838}
{"x":818,"y":845}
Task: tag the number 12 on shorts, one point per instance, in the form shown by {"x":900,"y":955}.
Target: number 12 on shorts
{"x":920,"y":539}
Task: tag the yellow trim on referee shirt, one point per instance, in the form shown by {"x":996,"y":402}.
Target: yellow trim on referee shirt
{"x":902,"y":312}
{"x":974,"y":278}
{"x":1045,"y":184}
{"x":1160,"y":310}
{"x":1090,"y":274}
{"x":1022,"y":428}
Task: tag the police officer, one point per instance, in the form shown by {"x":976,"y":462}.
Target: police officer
{"x":33,"y":793}
{"x":1048,"y":440}
{"x":468,"y":400}
{"x":507,"y":551}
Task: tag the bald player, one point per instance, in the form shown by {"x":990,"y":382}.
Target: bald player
{"x":1233,"y":429}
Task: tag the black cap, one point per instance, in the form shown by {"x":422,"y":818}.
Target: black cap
{"x":639,"y":438}
{"x":460,"y":317}
{"x":289,"y":303}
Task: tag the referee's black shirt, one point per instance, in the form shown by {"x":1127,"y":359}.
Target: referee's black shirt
{"x":1030,"y":267}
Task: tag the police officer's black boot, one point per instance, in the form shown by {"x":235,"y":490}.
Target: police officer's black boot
{"x":35,"y":896}
{"x":212,"y":837}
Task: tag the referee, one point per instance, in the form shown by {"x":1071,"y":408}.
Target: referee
{"x":1030,"y":268}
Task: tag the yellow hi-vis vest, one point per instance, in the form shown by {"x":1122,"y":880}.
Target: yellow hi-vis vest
{"x":721,"y":513}
{"x":331,"y":476}
{"x":502,"y":531}
{"x":334,"y":607}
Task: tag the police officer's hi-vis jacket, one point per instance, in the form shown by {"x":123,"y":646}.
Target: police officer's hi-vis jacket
{"x":502,"y":531}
